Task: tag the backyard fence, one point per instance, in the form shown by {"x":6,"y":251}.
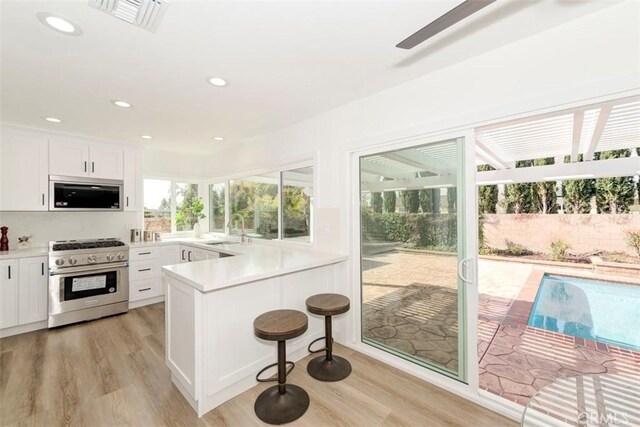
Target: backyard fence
{"x":584,"y":233}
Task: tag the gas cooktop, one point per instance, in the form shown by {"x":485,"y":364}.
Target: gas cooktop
{"x":70,"y":245}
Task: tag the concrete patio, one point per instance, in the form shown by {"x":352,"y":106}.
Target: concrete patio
{"x":410,"y":305}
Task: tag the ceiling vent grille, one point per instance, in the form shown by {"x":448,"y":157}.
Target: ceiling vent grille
{"x":145,"y":14}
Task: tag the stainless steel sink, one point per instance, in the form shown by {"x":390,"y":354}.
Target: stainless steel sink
{"x":220,"y":243}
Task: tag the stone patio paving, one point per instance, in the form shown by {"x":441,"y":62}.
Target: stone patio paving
{"x":410,"y":304}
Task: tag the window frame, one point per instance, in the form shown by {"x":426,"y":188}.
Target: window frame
{"x":307,"y":163}
{"x":173,"y":180}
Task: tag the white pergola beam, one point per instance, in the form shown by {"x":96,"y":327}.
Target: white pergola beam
{"x":438,"y":181}
{"x":419,"y":161}
{"x":578,"y":120}
{"x":627,"y":166}
{"x":381,"y":170}
{"x":492,"y":158}
{"x":603,"y":117}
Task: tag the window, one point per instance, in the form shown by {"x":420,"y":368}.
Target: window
{"x":255,"y":200}
{"x":171,"y":206}
{"x":297,"y":193}
{"x":157,"y":205}
{"x":216,"y":207}
{"x":189,"y":206}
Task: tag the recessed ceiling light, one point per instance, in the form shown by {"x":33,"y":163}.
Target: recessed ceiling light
{"x":52,"y":119}
{"x":218,"y":81}
{"x":123,"y":104}
{"x":218,"y":138}
{"x":146,"y":136}
{"x":59,"y":23}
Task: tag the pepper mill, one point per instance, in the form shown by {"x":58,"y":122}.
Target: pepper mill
{"x":4,"y":241}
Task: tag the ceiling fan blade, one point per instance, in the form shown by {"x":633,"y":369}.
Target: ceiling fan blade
{"x":455,"y":15}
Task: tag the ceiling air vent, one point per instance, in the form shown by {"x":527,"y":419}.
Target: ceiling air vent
{"x":145,"y":14}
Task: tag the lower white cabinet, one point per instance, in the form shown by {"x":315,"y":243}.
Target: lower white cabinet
{"x":23,"y":291}
{"x":8,"y":293}
{"x":145,"y":270}
{"x":33,"y":289}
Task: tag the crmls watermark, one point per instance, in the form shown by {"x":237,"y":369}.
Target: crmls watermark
{"x":611,"y":418}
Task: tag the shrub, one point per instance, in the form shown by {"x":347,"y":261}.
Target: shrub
{"x":632,"y":239}
{"x":559,"y":250}
{"x":516,"y":249}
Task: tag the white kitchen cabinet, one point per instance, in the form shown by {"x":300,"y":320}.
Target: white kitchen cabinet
{"x":9,"y":293}
{"x":131,"y":181}
{"x":32,"y":290}
{"x":189,"y":254}
{"x":170,"y":255}
{"x":24,"y":172}
{"x":75,"y":157}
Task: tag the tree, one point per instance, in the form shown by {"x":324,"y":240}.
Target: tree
{"x":487,"y":194}
{"x":189,"y":210}
{"x":614,"y":195}
{"x":423,"y":196}
{"x":411,"y":201}
{"x":544,"y":193}
{"x":519,"y":196}
{"x":390,"y":201}
{"x":452,"y":200}
{"x":376,"y":202}
{"x":577,"y":193}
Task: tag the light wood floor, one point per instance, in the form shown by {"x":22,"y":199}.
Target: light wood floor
{"x":112,"y":372}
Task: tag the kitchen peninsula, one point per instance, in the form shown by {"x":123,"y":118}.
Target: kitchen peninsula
{"x":210,"y":306}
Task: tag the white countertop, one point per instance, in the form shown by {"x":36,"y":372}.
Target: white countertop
{"x":251,"y":262}
{"x":25,"y":253}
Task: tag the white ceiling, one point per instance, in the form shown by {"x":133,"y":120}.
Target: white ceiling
{"x":285,"y":60}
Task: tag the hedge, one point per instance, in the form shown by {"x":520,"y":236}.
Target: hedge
{"x":436,"y":231}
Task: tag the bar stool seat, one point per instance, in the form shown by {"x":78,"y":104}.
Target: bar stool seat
{"x":284,"y":402}
{"x":328,"y":367}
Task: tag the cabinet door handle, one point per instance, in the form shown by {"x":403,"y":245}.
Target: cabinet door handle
{"x":93,"y":167}
{"x":144,"y":253}
{"x":183,"y":254}
{"x":189,"y":256}
{"x":127,"y":201}
{"x":42,"y":199}
{"x":9,"y":271}
{"x":43,"y":268}
{"x":145,"y":269}
{"x":85,"y":165}
{"x":145,"y":289}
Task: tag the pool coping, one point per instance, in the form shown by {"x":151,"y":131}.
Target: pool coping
{"x":518,"y":314}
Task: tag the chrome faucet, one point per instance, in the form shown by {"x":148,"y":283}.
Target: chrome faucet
{"x":230,"y":225}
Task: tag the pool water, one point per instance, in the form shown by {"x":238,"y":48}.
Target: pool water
{"x":600,"y":311}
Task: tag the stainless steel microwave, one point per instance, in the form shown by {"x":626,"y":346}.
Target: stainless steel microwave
{"x":72,"y":194}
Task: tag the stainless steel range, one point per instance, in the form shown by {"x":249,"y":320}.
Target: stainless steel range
{"x":88,"y":279}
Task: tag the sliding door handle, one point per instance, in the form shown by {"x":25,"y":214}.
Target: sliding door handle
{"x":463,"y":268}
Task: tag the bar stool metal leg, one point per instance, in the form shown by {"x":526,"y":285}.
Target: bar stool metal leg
{"x":284,"y":402}
{"x":329,"y":367}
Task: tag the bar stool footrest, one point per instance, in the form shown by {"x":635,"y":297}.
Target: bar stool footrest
{"x":320,"y":350}
{"x":266,"y":380}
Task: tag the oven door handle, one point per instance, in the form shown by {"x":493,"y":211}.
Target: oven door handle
{"x":89,"y":268}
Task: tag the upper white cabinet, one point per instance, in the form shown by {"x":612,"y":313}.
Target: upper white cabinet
{"x":33,"y":290}
{"x":131,"y":181}
{"x":23,"y":171}
{"x":74,"y":157}
{"x":9,"y":293}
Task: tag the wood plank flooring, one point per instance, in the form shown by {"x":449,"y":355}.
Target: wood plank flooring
{"x":111,"y":372}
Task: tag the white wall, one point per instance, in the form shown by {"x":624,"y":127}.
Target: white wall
{"x":172,"y":164}
{"x":596,"y":55}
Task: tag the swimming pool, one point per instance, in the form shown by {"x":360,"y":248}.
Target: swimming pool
{"x":600,"y":311}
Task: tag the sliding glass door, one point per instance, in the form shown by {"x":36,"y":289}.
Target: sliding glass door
{"x":413,"y":254}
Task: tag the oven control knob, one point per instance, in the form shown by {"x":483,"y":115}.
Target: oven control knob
{"x":73,"y":261}
{"x":91,"y":259}
{"x":109,"y":257}
{"x":120,"y":256}
{"x":59,"y":262}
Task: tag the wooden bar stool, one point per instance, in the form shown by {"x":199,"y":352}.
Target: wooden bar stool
{"x":328,"y":367}
{"x":284,"y":402}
